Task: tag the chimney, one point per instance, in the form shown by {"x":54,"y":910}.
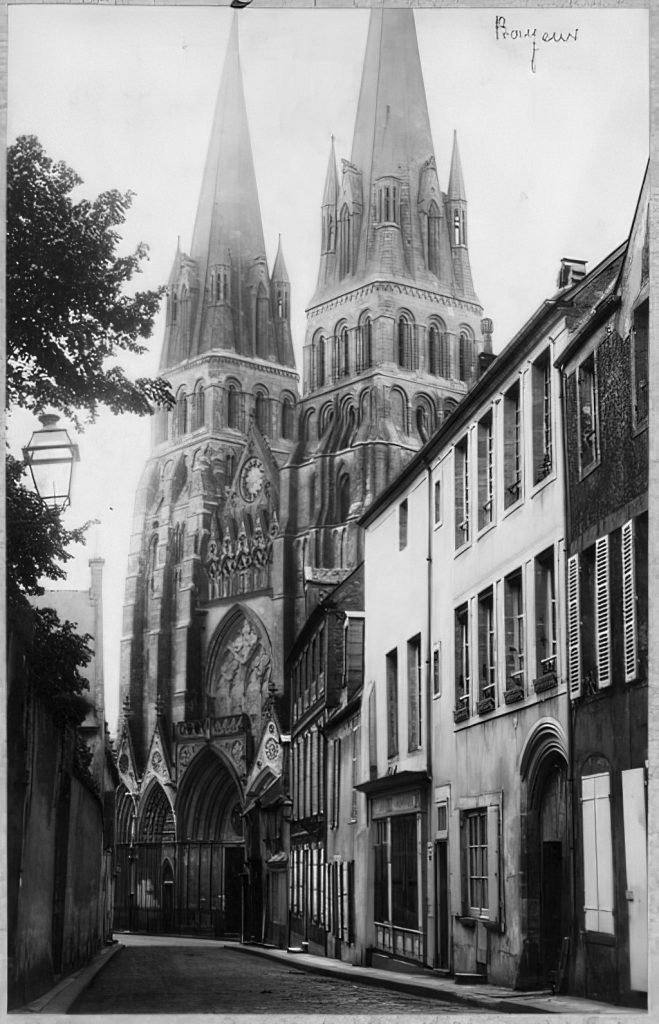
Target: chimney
{"x":571,"y":272}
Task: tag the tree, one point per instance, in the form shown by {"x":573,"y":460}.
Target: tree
{"x":67,"y":312}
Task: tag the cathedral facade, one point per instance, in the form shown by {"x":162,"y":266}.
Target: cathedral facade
{"x":251,"y":494}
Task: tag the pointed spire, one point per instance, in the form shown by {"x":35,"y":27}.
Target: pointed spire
{"x":331,"y":189}
{"x":279,"y":271}
{"x":228,"y":213}
{"x":456,"y":186}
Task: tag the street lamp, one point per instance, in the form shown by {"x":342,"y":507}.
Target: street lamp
{"x":50,"y":456}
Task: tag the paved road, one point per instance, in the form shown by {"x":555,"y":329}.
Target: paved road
{"x":171,"y":975}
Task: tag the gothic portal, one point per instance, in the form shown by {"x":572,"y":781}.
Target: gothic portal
{"x":252,"y":492}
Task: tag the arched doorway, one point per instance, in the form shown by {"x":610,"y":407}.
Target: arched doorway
{"x":211,"y":849}
{"x":546,"y":917}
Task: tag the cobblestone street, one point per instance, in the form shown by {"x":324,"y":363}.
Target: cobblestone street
{"x":171,"y":975}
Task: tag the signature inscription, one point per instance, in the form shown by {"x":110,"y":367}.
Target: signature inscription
{"x":534,"y":35}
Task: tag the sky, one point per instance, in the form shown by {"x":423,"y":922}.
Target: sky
{"x":553,"y":139}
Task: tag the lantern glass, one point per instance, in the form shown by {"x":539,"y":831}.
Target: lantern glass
{"x":50,"y":456}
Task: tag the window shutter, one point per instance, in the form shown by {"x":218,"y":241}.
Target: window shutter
{"x":464,"y":878}
{"x":493,"y":894}
{"x":629,"y":602}
{"x":598,"y":853}
{"x":602,"y":616}
{"x":573,"y":627}
{"x":413,"y":685}
{"x":314,"y":771}
{"x":372,"y":737}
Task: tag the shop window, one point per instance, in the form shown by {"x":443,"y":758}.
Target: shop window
{"x":381,"y":873}
{"x":404,"y":872}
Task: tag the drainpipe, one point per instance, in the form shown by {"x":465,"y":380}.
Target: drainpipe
{"x":430,"y":888}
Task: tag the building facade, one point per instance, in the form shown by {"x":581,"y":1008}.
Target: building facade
{"x":468,"y":674}
{"x":605,"y":370}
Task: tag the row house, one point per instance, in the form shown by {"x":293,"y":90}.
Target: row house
{"x":465,"y":706}
{"x":325,"y":674}
{"x":605,"y":369}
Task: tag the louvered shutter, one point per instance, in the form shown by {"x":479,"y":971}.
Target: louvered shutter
{"x":354,"y":653}
{"x":493,"y":889}
{"x":573,"y":627}
{"x":629,"y":602}
{"x":602,"y":614}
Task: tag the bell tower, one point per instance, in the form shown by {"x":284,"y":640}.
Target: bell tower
{"x":394,"y":327}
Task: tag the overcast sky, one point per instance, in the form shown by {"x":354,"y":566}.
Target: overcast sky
{"x":553,"y":157}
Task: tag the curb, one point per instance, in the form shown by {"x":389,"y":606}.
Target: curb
{"x":62,"y":997}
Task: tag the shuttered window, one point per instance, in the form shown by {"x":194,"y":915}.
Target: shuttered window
{"x":602,"y":613}
{"x":573,"y":627}
{"x":597,"y":852}
{"x":630,"y":638}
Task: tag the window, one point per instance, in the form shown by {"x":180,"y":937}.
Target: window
{"x":541,"y":415}
{"x":404,"y":872}
{"x":414,"y":694}
{"x":477,"y":872}
{"x":354,"y":652}
{"x":457,"y":239}
{"x":372,"y":737}
{"x":392,"y":704}
{"x":405,"y":342}
{"x":198,"y":407}
{"x":438,"y":502}
{"x":233,"y":408}
{"x":480,"y":859}
{"x":512,"y":446}
{"x":320,"y":362}
{"x":433,"y":238}
{"x":344,"y":243}
{"x":573,"y":627}
{"x":545,"y":614}
{"x":261,"y":413}
{"x":182,"y":413}
{"x":387,"y":202}
{"x":629,"y":630}
{"x":485,"y":472}
{"x":597,"y":852}
{"x":287,"y":419}
{"x":174,"y":307}
{"x":515,"y":639}
{"x":356,"y":739}
{"x":462,"y":666}
{"x":461,"y":493}
{"x":345,"y":351}
{"x":336,"y":783}
{"x":344,"y":497}
{"x":602,"y":613}
{"x":381,"y":887}
{"x":486,"y":634}
{"x":640,"y":363}
{"x":364,"y":344}
{"x":588,"y":414}
{"x":464,"y":349}
{"x":437,"y":670}
{"x":402,"y":525}
{"x":262,"y":318}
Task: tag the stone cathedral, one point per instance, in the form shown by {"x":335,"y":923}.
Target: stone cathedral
{"x":254,"y":487}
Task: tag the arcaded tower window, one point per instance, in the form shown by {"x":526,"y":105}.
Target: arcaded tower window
{"x":387,"y":201}
{"x":233,"y":407}
{"x":433,"y":238}
{"x":364,"y":344}
{"x":344,"y":242}
{"x":261,"y":412}
{"x":319,"y":351}
{"x":405,"y":342}
{"x":287,"y":418}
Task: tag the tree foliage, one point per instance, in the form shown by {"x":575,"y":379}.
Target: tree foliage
{"x":53,"y":662}
{"x":68,"y":316}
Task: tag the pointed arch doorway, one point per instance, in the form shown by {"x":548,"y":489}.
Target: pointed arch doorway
{"x":209,"y":887}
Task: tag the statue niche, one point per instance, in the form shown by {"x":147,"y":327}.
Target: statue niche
{"x":241,"y":672}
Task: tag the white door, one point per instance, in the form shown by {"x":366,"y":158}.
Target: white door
{"x":633,"y":805}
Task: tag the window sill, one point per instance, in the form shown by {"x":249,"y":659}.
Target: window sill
{"x":544,"y":482}
{"x":545,"y":682}
{"x":590,"y":468}
{"x":640,"y":428}
{"x":600,"y":938}
{"x":486,"y":705}
{"x":461,"y":714}
{"x":513,"y":507}
{"x":514,"y":694}
{"x":485,"y":529}
{"x":465,"y":546}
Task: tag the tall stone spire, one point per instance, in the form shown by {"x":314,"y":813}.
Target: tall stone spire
{"x":221,"y":300}
{"x":457,"y":216}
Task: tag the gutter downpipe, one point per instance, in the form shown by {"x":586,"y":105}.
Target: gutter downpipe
{"x":429,"y":683}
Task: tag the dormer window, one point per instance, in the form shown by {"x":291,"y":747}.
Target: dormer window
{"x":219,"y":285}
{"x":457,"y":233}
{"x":174,"y":307}
{"x":388,"y":201}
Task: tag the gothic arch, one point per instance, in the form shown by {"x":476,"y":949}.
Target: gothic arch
{"x":326,"y":418}
{"x":239,"y":666}
{"x":287,"y":430}
{"x":179,"y":477}
{"x":262,"y":410}
{"x":319,"y":358}
{"x":198,"y":417}
{"x":233,"y":404}
{"x":181,"y":412}
{"x":156,"y":822}
{"x":465,"y":352}
{"x":125,"y":814}
{"x":209,"y":792}
{"x":438,"y":352}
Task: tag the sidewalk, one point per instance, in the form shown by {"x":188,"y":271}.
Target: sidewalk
{"x":62,"y":997}
{"x":494,"y":998}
